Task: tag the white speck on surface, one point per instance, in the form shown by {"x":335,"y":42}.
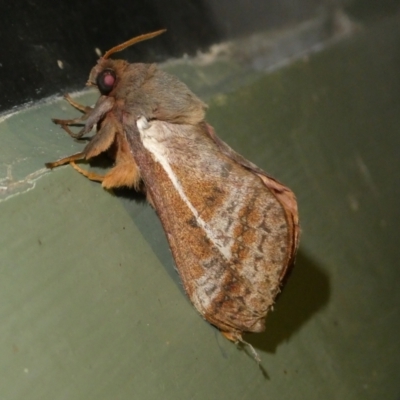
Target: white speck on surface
{"x":60,"y":64}
{"x":98,"y":51}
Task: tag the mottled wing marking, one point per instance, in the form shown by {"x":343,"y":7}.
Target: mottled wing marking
{"x":233,"y":228}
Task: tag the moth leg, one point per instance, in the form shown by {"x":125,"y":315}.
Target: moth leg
{"x":65,"y":160}
{"x":89,"y":119}
{"x":232,"y":336}
{"x":124,"y":174}
{"x":71,"y":160}
{"x":90,"y":175}
{"x":80,"y":107}
{"x":103,"y":139}
{"x":75,"y":121}
{"x":236,"y":338}
{"x":66,"y":129}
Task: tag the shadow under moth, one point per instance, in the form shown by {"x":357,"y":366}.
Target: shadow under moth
{"x":233,"y":230}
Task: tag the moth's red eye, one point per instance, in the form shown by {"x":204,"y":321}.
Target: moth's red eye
{"x":105,"y":81}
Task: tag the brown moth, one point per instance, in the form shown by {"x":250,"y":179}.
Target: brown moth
{"x":233,"y":230}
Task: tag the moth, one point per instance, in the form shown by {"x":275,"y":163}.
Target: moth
{"x":233,"y":230}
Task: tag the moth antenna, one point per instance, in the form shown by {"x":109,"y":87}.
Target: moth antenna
{"x":132,"y":41}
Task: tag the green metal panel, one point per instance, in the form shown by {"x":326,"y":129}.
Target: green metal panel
{"x":92,"y":308}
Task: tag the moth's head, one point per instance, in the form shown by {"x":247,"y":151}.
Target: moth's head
{"x":106,"y":73}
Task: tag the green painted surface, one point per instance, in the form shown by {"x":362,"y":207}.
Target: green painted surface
{"x":92,"y":308}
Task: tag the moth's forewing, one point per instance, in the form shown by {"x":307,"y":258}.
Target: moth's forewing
{"x":283,"y":194}
{"x":227,"y":231}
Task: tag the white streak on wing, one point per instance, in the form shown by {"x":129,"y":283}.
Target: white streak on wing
{"x":152,"y":135}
